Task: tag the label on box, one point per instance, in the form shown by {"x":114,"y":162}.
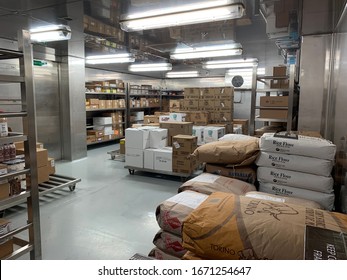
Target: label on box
{"x":189,"y":199}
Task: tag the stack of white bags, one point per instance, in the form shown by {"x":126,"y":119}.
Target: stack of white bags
{"x":297,"y":168}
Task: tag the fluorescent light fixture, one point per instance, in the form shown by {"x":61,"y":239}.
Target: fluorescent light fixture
{"x":182,"y":74}
{"x":235,"y":63}
{"x":200,"y":12}
{"x":207,"y":51}
{"x":50,"y":33}
{"x":111,"y":58}
{"x":150,"y":67}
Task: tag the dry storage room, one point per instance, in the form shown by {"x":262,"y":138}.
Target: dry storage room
{"x":173,"y":130}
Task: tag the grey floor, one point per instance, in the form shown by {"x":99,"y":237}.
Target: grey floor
{"x":109,"y":216}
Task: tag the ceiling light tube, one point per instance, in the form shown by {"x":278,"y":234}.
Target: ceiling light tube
{"x":236,"y":63}
{"x":150,"y":67}
{"x":182,"y":74}
{"x":112,"y":58}
{"x":50,"y":33}
{"x":207,"y":53}
{"x":188,"y":14}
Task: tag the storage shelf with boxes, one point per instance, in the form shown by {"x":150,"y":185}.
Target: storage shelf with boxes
{"x":106,"y":114}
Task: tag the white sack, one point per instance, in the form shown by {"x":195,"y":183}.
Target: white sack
{"x":326,"y":200}
{"x":295,"y":179}
{"x":235,"y":137}
{"x":311,"y":165}
{"x":304,"y":146}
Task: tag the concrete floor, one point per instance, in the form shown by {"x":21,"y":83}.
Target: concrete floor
{"x":109,"y":216}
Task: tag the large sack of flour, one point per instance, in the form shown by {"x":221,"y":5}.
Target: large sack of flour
{"x":169,"y":243}
{"x":228,"y":152}
{"x":158,"y":254}
{"x":244,"y":173}
{"x":189,"y":256}
{"x":226,"y":226}
{"x":326,"y":200}
{"x":208,"y":183}
{"x":171,"y":212}
{"x":284,"y":199}
{"x":303,"y":146}
{"x":311,"y":165}
{"x":295,"y":179}
{"x":237,"y":137}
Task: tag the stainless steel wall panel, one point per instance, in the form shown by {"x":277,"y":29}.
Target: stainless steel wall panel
{"x":314,"y":82}
{"x":48,"y":108}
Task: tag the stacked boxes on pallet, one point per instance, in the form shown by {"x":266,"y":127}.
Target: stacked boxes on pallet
{"x":297,"y":167}
{"x":182,"y":147}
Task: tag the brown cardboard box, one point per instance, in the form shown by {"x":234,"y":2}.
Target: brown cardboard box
{"x":151,"y":119}
{"x":161,"y":113}
{"x":225,"y":103}
{"x":191,"y":104}
{"x":273,"y":114}
{"x":102,"y":104}
{"x":93,"y":101}
{"x":199,"y":117}
{"x":284,"y":84}
{"x":51,"y":166}
{"x":208,"y":93}
{"x":108,"y":104}
{"x":96,"y":133}
{"x":225,"y":92}
{"x":244,"y":123}
{"x":91,"y":139}
{"x":175,"y":104}
{"x":279,"y":71}
{"x":221,"y":117}
{"x":192,"y":93}
{"x":274,"y":101}
{"x":20,"y":145}
{"x":4,"y":190}
{"x":43,"y":173}
{"x":183,"y":144}
{"x":176,"y":128}
{"x":6,"y":248}
{"x":183,"y":164}
{"x":115,"y":103}
{"x":282,"y":20}
{"x":42,"y":157}
{"x":275,"y":84}
{"x":207,"y":104}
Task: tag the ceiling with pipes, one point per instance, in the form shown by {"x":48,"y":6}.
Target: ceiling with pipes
{"x":268,"y":30}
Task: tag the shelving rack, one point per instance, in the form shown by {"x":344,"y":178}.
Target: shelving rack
{"x":167,"y":94}
{"x":268,"y":91}
{"x":108,"y":93}
{"x":28,"y":115}
{"x":142,"y":93}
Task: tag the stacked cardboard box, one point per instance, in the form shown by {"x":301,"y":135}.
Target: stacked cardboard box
{"x":277,"y":107}
{"x":243,"y":123}
{"x":176,"y":128}
{"x":182,"y":147}
{"x":6,"y":246}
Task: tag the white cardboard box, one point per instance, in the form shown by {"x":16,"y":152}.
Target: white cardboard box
{"x":108,"y":130}
{"x":212,"y":134}
{"x":149,"y":158}
{"x":158,"y":138}
{"x":134,"y":157}
{"x":102,"y":120}
{"x":178,"y":117}
{"x":137,"y":138}
{"x":163,"y":159}
{"x":198,"y":131}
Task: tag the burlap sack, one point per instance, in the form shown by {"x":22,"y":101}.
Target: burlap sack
{"x":244,"y":173}
{"x":169,"y":243}
{"x":208,"y":183}
{"x":229,"y":152}
{"x":227,"y":226}
{"x":171,"y":212}
{"x":189,"y":256}
{"x":158,"y":254}
{"x":284,"y":199}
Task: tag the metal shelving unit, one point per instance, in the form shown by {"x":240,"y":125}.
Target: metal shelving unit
{"x":290,"y":91}
{"x":28,"y":114}
{"x":165,"y":94}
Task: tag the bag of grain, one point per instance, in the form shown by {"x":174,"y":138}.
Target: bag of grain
{"x":171,"y":212}
{"x":326,"y":200}
{"x":244,"y":173}
{"x":226,"y":226}
{"x":310,"y":165}
{"x":158,"y":254}
{"x":169,"y":243}
{"x":229,"y":152}
{"x":284,"y":199}
{"x":208,"y":183}
{"x":303,"y":146}
{"x":295,"y":179}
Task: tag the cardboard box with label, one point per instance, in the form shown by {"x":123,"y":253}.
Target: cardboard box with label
{"x":207,"y":104}
{"x":51,"y":166}
{"x":183,"y":164}
{"x":134,"y":157}
{"x":199,"y":117}
{"x":96,"y":133}
{"x":151,"y":119}
{"x":274,"y":101}
{"x":244,"y":123}
{"x":191,"y":104}
{"x":192,"y":93}
{"x":184,"y":144}
{"x":175,"y":128}
{"x":175,"y":104}
{"x":4,"y":190}
{"x":224,"y":103}
{"x":163,"y":159}
{"x":212,"y":134}
{"x":221,"y":117}
{"x":279,"y":71}
{"x":198,"y":131}
{"x":225,"y":92}
{"x":43,"y":173}
{"x":208,"y":93}
{"x":273,"y":114}
{"x":178,"y":117}
{"x":275,"y":84}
